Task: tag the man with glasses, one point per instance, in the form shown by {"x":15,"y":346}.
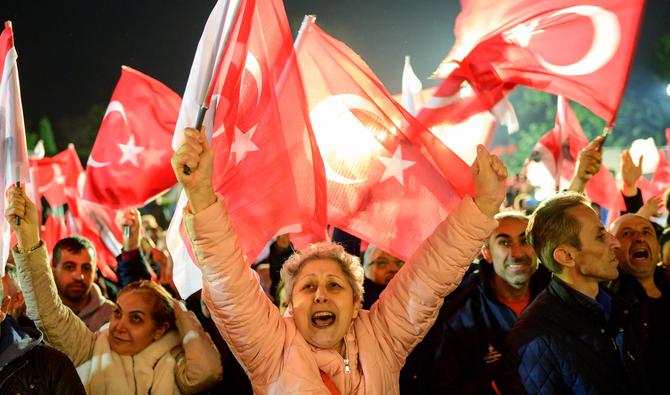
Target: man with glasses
{"x":380,"y":267}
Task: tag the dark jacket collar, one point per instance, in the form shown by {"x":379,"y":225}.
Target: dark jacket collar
{"x":572,"y":297}
{"x":15,"y":340}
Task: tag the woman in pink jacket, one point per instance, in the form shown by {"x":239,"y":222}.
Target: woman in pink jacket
{"x":326,"y":344}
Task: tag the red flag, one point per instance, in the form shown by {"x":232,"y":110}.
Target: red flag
{"x":59,"y":180}
{"x":454,"y":101}
{"x":56,"y":177}
{"x":661,"y":177}
{"x":463,"y":136}
{"x":13,"y":151}
{"x":559,"y":149}
{"x":565,"y":47}
{"x":267,"y":166}
{"x":53,"y":230}
{"x":381,"y":187}
{"x":133,"y":143}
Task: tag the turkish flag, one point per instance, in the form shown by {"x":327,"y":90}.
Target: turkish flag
{"x":381,"y":186}
{"x":13,"y":151}
{"x":133,"y":143}
{"x":565,"y":47}
{"x":267,"y":166}
{"x":53,"y":230}
{"x":56,"y":177}
{"x":216,"y":72}
{"x":462,"y":137}
{"x":559,"y":149}
{"x":455,"y":101}
{"x":60,"y":179}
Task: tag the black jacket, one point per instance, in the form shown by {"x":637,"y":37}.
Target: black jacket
{"x":563,"y":343}
{"x":651,"y":323}
{"x":450,"y":359}
{"x":29,"y":367}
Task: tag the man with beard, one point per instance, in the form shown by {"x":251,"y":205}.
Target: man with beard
{"x":379,"y":267}
{"x":642,"y":283}
{"x":575,"y":337}
{"x":74,"y":270}
{"x":463,"y":348}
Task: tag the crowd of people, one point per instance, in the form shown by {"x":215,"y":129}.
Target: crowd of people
{"x":496,"y":301}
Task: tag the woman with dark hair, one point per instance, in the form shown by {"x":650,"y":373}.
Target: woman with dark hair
{"x":151,"y":344}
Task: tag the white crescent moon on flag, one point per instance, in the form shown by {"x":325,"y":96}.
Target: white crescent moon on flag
{"x":114,"y":106}
{"x":336,"y":127}
{"x":606,"y":38}
{"x":251,"y":64}
{"x":58,"y":174}
{"x":118,"y":107}
{"x":94,"y":163}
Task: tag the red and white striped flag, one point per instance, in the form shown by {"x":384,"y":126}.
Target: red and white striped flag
{"x":13,"y":151}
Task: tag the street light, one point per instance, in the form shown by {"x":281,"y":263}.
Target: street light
{"x":667,"y":90}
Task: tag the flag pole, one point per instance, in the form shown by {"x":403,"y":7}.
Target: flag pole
{"x":306,"y":21}
{"x":225,"y":33}
{"x":9,"y":141}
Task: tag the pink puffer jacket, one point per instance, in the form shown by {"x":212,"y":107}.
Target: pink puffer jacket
{"x":277,"y":358}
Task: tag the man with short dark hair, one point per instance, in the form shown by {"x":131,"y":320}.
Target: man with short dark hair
{"x":575,"y":337}
{"x":643,"y":284}
{"x":74,"y":270}
{"x":461,"y":352}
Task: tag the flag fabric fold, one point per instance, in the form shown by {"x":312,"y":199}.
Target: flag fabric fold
{"x":382,"y":186}
{"x":267,"y":167}
{"x":565,"y":47}
{"x":13,"y":150}
{"x":558,"y":150}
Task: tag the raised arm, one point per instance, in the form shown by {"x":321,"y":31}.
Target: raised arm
{"x":61,"y":327}
{"x":199,"y":366}
{"x":246,"y":318}
{"x":588,"y":164}
{"x":411,"y":302}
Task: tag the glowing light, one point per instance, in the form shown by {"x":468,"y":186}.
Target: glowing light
{"x":667,"y":90}
{"x":646,"y":148}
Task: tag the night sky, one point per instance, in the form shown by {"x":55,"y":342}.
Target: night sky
{"x":70,"y":52}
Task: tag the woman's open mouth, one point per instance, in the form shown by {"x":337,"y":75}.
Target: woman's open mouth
{"x":322,"y":319}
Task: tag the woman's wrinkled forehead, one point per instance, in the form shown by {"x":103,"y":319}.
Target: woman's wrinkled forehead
{"x":314,"y":268}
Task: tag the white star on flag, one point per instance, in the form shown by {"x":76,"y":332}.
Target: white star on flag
{"x":522,"y":33}
{"x":243,"y":144}
{"x":395,"y":166}
{"x":129,"y":152}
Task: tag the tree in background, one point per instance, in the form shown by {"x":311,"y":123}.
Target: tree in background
{"x":660,"y":58}
{"x":81,"y":129}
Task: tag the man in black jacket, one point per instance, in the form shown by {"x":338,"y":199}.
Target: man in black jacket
{"x":474,"y":330}
{"x":462,"y":350}
{"x":575,"y":337}
{"x":26,"y":365}
{"x":642,"y":283}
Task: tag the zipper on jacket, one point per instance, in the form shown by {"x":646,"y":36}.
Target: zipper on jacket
{"x":347,"y":369}
{"x":134,"y":375}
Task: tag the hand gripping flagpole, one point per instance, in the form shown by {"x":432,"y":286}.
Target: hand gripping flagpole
{"x":222,"y":36}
